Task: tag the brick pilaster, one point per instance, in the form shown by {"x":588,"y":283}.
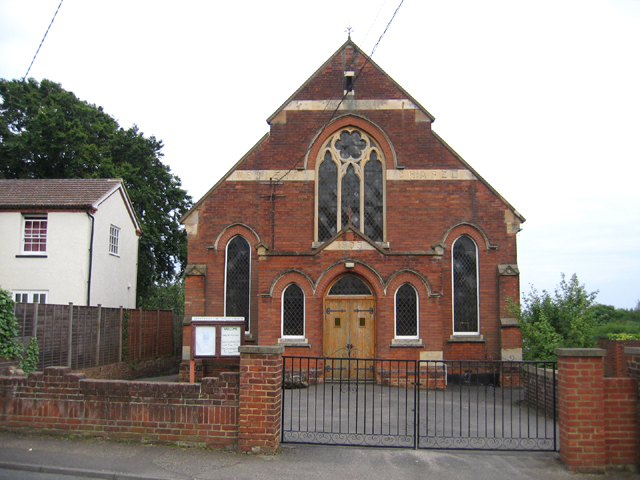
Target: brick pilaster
{"x":581,"y":404}
{"x":259,"y":424}
{"x":633,"y":368}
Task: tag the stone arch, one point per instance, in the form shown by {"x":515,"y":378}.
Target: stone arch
{"x":356,"y":121}
{"x":466,"y":228}
{"x":332,"y":272}
{"x":238,"y":228}
{"x":287,"y":277}
{"x":407,"y":275}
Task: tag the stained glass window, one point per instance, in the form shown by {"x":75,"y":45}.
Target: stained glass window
{"x":351,"y":185}
{"x":465,"y":286}
{"x":327,"y":198}
{"x":350,"y":285}
{"x":406,"y":311}
{"x":373,"y":198}
{"x":237,"y":283}
{"x":293,"y":311}
{"x":351,"y":198}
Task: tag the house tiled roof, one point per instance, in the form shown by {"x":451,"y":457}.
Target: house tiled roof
{"x":61,"y":193}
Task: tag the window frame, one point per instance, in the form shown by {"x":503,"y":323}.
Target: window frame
{"x":226,"y":272}
{"x":30,"y":295}
{"x":114,"y":246}
{"x":453,"y":289}
{"x":29,"y":217}
{"x":329,"y":153}
{"x":417,"y":307}
{"x":304,"y":314}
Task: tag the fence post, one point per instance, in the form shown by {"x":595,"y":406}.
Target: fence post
{"x":157,"y":330}
{"x":581,"y":404}
{"x":140,"y":336}
{"x":259,"y":415}
{"x":98,"y":336}
{"x":121,"y":327}
{"x":70,"y":334}
{"x":34,"y":323}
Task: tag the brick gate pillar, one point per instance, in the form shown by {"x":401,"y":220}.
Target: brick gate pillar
{"x":581,"y":409}
{"x":634,"y":372}
{"x":259,"y":416}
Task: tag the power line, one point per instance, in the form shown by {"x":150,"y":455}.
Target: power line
{"x":346,"y":93}
{"x":42,"y":41}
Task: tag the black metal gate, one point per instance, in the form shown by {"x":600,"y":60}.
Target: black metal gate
{"x":479,"y":405}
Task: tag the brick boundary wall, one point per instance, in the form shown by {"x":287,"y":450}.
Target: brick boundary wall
{"x":539,"y":387}
{"x":598,"y":416}
{"x":125,"y":371}
{"x":616,"y":360}
{"x":235,"y":410}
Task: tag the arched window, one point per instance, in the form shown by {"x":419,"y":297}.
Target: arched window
{"x":293,"y":311}
{"x":350,"y":185}
{"x":407,"y":311}
{"x":238,"y":279}
{"x":465,"y":286}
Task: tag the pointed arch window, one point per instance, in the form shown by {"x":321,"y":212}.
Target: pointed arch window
{"x":350,"y":185}
{"x":293,"y":312}
{"x":465,"y":287}
{"x":406,"y":312}
{"x":238,"y":279}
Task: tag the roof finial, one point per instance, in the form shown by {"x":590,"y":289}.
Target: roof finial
{"x":349,"y":30}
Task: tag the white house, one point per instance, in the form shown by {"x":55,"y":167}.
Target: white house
{"x":71,"y":240}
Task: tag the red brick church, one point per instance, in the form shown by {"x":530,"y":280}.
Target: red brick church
{"x":352,"y":228}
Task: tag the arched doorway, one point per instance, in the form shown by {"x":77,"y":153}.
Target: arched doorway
{"x":349,"y":325}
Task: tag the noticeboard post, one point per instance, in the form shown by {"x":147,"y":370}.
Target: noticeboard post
{"x":215,"y":337}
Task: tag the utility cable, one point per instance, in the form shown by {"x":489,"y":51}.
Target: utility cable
{"x":346,"y":93}
{"x":42,"y":41}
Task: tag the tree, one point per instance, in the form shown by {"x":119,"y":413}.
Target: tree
{"x":47,"y":132}
{"x":563,"y":320}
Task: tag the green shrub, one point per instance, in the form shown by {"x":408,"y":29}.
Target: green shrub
{"x":563,"y":320}
{"x":10,"y":346}
{"x":30,"y":361}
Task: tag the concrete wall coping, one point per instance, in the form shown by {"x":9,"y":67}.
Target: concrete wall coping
{"x":632,"y":350}
{"x":261,"y":349}
{"x":581,"y":352}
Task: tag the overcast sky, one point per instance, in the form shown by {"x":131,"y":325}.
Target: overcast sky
{"x":541,"y":98}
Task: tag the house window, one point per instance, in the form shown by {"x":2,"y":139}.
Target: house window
{"x":237,"y":281}
{"x":293,"y":312}
{"x":26,"y":296}
{"x":407,"y":312}
{"x":350,"y":186}
{"x":465,"y":286}
{"x":114,"y":240}
{"x":34,"y":239}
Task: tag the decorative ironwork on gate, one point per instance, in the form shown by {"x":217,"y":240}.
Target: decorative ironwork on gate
{"x":476,"y":405}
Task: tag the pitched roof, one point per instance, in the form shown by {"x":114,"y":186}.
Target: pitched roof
{"x":368,"y":60}
{"x":65,"y":193}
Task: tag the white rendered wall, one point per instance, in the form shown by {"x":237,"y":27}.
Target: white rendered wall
{"x":113,"y":279}
{"x":62,"y":272}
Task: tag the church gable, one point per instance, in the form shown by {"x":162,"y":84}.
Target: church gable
{"x":352,"y":181}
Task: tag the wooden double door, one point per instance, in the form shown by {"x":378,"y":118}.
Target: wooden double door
{"x":349,"y":337}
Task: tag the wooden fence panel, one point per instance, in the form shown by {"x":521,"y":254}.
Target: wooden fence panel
{"x":84,"y":337}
